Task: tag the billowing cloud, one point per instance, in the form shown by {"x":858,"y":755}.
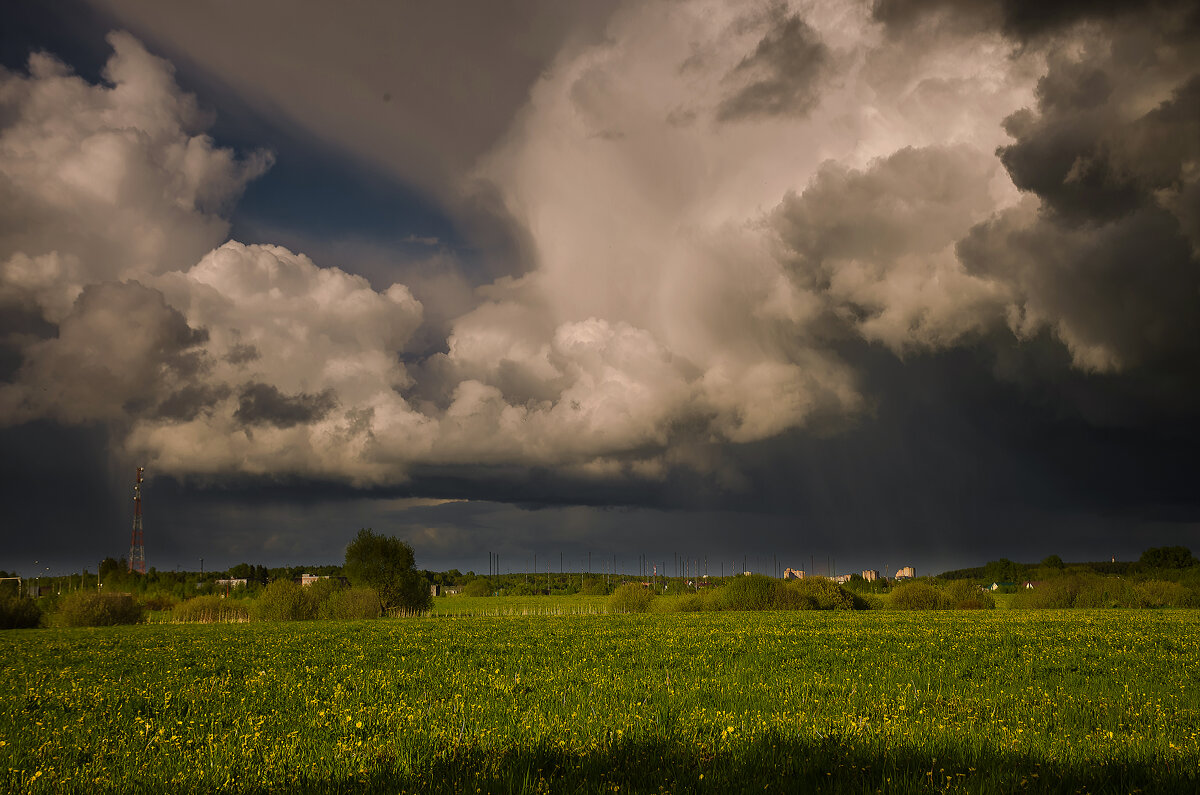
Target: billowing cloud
{"x":120,"y":347}
{"x":781,"y":76}
{"x":1105,"y":256}
{"x":723,"y":212}
{"x":106,"y":182}
{"x":878,"y":245}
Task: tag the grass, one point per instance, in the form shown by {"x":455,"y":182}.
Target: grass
{"x":997,"y":701}
{"x":519,"y":605}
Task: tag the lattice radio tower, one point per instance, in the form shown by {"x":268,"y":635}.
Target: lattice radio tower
{"x":137,"y":544}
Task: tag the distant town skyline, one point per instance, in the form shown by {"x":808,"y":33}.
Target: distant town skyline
{"x":888,"y":283}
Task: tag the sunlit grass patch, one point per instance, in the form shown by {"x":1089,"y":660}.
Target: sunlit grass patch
{"x":996,"y":701}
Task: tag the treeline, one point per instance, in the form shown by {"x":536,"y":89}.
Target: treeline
{"x":1164,"y":563}
{"x":760,"y":592}
{"x":378,"y":577}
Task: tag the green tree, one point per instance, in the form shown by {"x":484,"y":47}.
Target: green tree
{"x":477,"y":587}
{"x":388,"y":565}
{"x":1168,"y":558}
{"x":1054,"y":562}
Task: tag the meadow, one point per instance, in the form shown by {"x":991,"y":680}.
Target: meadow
{"x":874,"y":701}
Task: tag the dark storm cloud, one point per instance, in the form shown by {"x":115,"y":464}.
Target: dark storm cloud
{"x":1021,"y":19}
{"x":1085,"y":162}
{"x":675,"y":366}
{"x":781,"y":77}
{"x":240,"y":354}
{"x":264,"y":404}
{"x":120,"y":348}
{"x":1108,"y":260}
{"x":187,"y":403}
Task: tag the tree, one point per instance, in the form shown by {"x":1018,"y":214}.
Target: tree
{"x":1054,"y":562}
{"x":388,"y":565}
{"x":1168,"y":558}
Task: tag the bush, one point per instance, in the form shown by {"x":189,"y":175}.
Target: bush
{"x":749,"y":592}
{"x":692,"y":603}
{"x":630,"y":598}
{"x":477,"y":587}
{"x":17,"y":612}
{"x":159,"y":601}
{"x":963,"y":595}
{"x":210,"y":609}
{"x":593,"y":586}
{"x":1160,"y":593}
{"x":1078,"y":590}
{"x":284,"y":600}
{"x":814,"y":593}
{"x":677,"y":587}
{"x":88,"y":609}
{"x":916,"y":596}
{"x":318,"y":591}
{"x":351,"y":604}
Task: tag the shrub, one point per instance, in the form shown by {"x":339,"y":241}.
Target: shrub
{"x":963,"y":595}
{"x":872,"y":601}
{"x":594,"y":586}
{"x":477,"y":587}
{"x":692,"y":603}
{"x":1096,"y":591}
{"x":1078,"y":590}
{"x":749,"y":592}
{"x":210,"y":609}
{"x":350,"y":604}
{"x":677,"y":587}
{"x":630,"y":598}
{"x":318,"y":591}
{"x":916,"y":596}
{"x":283,"y":600}
{"x":814,"y":593}
{"x":17,"y":612}
{"x":1161,"y":593}
{"x":159,"y":601}
{"x":88,"y":609}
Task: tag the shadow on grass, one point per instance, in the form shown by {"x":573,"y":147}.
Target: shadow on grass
{"x":773,"y":764}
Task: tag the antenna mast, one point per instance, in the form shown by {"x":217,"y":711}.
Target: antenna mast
{"x":137,"y":545}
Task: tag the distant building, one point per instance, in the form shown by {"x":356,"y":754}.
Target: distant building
{"x":870,"y":575}
{"x":444,"y":590}
{"x":996,"y":586}
{"x":842,"y":579}
{"x":309,"y":579}
{"x":1030,"y":584}
{"x":906,"y":573}
{"x":793,"y":574}
{"x":232,"y":582}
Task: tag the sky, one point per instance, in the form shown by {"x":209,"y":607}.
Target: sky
{"x":832,"y":285}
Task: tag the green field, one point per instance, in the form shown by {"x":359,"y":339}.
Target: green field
{"x":989,"y":701}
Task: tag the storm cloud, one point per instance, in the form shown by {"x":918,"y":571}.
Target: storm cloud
{"x":849,"y":263}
